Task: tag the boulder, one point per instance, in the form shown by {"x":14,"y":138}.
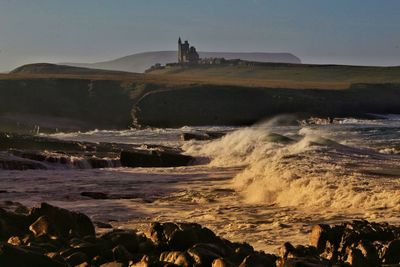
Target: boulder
{"x":59,"y":222}
{"x":392,"y":252}
{"x":121,"y":254}
{"x":370,"y":253}
{"x":203,"y":254}
{"x":177,"y":257}
{"x":355,"y":258}
{"x":12,"y":224}
{"x":76,"y":258}
{"x":304,"y":262}
{"x":153,"y":158}
{"x":258,"y":260}
{"x":92,"y":249}
{"x":190,"y":234}
{"x":102,"y":225}
{"x":114,"y":264}
{"x":127,"y":239}
{"x":221,"y":262}
{"x":44,"y":226}
{"x":18,"y":257}
{"x":319,"y":236}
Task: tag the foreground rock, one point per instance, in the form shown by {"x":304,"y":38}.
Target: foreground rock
{"x":50,"y":236}
{"x":153,"y":158}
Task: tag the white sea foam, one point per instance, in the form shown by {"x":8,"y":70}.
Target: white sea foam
{"x":264,"y":185}
{"x":311,"y":171}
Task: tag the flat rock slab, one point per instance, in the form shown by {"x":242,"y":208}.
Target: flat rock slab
{"x":153,"y":158}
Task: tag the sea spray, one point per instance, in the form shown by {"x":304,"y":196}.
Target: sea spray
{"x":307,"y":170}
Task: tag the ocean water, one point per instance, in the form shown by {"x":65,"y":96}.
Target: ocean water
{"x":264,"y":184}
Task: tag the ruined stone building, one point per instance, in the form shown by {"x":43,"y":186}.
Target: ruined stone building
{"x":187,"y":53}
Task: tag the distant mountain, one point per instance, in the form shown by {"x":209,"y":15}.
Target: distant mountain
{"x":142,"y":61}
{"x":47,"y":68}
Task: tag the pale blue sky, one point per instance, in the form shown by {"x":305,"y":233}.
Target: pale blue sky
{"x":364,"y":32}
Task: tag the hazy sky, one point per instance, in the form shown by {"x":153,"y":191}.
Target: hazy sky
{"x":318,"y":31}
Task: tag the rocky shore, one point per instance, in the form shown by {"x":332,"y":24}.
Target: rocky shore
{"x":50,"y":236}
{"x":24,"y":152}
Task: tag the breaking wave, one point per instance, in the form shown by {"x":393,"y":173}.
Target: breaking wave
{"x":305,"y":169}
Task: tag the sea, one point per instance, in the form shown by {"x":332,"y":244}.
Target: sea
{"x":264,"y":185}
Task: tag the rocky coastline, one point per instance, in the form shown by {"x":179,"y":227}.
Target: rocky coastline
{"x":50,"y":236}
{"x":24,"y":152}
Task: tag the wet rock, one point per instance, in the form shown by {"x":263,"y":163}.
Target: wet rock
{"x":203,"y":254}
{"x":128,"y":239}
{"x":56,"y":256}
{"x":146,"y":246}
{"x":153,"y":158}
{"x":92,"y":250}
{"x":114,"y":264}
{"x":177,"y":257}
{"x":304,"y":263}
{"x":239,"y":252}
{"x":369,"y":252}
{"x":43,"y":226}
{"x":161,"y":233}
{"x":15,"y":241}
{"x":76,"y":258}
{"x":194,"y":233}
{"x":60,"y":222}
{"x":181,"y":236}
{"x":391,"y":254}
{"x":258,"y":260}
{"x":95,"y":195}
{"x":201,"y":136}
{"x":100,"y":259}
{"x":20,"y":164}
{"x":21,"y":209}
{"x":355,"y":258}
{"x":12,"y":224}
{"x":148,"y":261}
{"x":221,"y":262}
{"x":102,"y":225}
{"x":286,"y":249}
{"x":18,"y":257}
{"x":32,"y":155}
{"x":319,"y":236}
{"x":97,"y":163}
{"x":121,"y":254}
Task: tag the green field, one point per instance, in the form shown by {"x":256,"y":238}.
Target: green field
{"x":284,"y":75}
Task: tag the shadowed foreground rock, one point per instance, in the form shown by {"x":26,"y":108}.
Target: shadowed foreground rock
{"x":50,"y":236}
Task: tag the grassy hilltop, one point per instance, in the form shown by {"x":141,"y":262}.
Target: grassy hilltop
{"x":278,"y":75}
{"x":68,"y":98}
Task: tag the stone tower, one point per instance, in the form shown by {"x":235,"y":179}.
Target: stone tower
{"x":187,"y":53}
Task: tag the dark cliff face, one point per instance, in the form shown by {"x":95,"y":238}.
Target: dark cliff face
{"x":85,"y":104}
{"x":221,"y":105}
{"x":64,"y":104}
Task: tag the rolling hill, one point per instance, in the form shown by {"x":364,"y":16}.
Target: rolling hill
{"x":142,"y":61}
{"x":40,"y":68}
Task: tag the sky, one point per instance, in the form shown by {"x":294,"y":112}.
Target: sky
{"x":359,"y":32}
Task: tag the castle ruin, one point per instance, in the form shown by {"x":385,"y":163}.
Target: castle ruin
{"x":187,"y":53}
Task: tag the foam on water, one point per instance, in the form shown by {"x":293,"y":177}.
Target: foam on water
{"x":309,"y":171}
{"x":264,"y":185}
